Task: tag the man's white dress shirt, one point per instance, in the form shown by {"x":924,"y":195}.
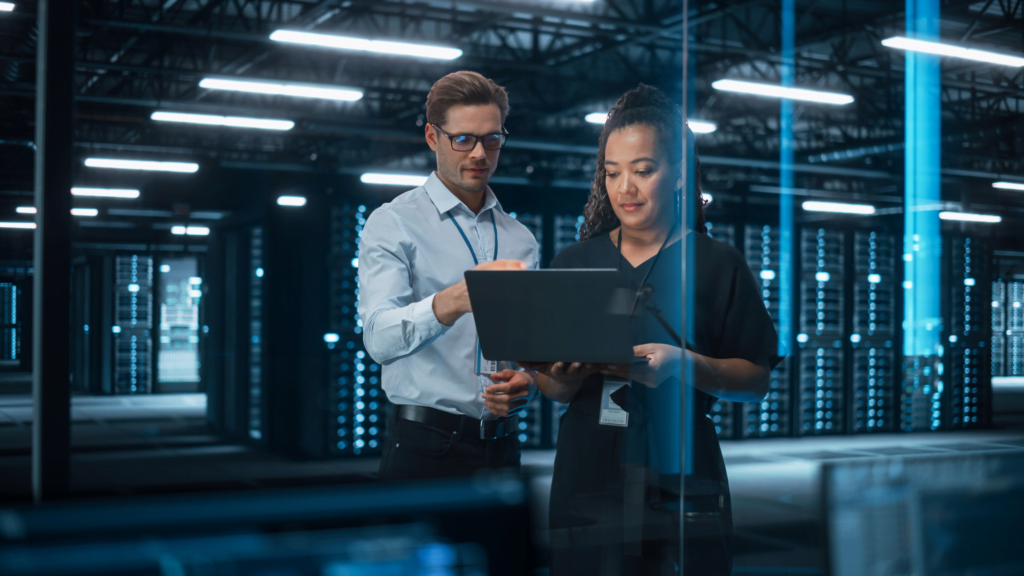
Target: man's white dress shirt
{"x":410,"y":250}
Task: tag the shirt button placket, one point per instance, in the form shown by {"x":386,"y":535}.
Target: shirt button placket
{"x":486,"y":254}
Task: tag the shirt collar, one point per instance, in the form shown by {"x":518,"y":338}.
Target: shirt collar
{"x":444,"y":200}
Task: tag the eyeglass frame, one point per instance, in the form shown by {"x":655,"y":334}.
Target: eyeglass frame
{"x":476,"y":139}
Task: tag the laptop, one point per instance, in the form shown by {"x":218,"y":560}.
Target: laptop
{"x":580,"y":315}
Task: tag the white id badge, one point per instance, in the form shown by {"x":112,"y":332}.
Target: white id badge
{"x":483,"y":365}
{"x":611,"y":413}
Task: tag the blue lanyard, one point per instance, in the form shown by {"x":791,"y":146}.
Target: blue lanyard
{"x":466,"y":240}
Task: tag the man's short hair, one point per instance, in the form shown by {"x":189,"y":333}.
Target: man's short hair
{"x":464,"y":88}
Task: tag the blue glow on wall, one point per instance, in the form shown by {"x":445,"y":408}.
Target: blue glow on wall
{"x":786,"y":246}
{"x":922,"y":244}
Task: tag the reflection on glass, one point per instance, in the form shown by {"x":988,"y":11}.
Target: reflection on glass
{"x":133,"y":324}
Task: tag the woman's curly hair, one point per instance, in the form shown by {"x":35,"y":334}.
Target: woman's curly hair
{"x":648,"y":106}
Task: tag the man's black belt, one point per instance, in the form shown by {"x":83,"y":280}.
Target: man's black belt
{"x":461,"y":425}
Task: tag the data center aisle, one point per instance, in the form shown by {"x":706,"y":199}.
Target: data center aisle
{"x":154,"y":444}
{"x":110,"y":422}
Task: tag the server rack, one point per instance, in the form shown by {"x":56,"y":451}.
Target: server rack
{"x":228,"y":357}
{"x":179,"y":289}
{"x":80,"y":341}
{"x":239,"y":354}
{"x":771,"y":416}
{"x":822,"y":322}
{"x":12,"y":319}
{"x":875,"y":378}
{"x":254,"y":273}
{"x":1007,"y":327}
{"x":968,"y":362}
{"x":360,"y":406}
{"x":997,"y":320}
{"x":16,"y":316}
{"x":93,"y":320}
{"x":1015,"y":329}
{"x":133,"y":324}
{"x":296,"y":317}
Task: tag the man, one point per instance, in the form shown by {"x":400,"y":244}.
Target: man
{"x":451,"y":406}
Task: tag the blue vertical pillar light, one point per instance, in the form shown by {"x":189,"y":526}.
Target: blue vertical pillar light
{"x":688,"y":218}
{"x":786,"y":234}
{"x":922,"y":246}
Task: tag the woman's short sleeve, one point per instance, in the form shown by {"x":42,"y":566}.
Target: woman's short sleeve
{"x":748,"y":331}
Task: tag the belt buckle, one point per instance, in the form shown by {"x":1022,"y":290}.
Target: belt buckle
{"x":498,"y":428}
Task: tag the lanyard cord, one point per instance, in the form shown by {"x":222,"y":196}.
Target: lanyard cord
{"x":451,"y":215}
{"x":466,"y":240}
{"x":654,"y":263}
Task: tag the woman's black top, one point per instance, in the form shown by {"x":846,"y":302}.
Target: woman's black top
{"x":596,"y":465}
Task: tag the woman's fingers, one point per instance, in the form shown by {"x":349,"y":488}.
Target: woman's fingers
{"x":643,"y":350}
{"x":558,"y":369}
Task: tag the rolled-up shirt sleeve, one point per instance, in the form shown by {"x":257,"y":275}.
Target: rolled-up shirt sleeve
{"x":393,"y":325}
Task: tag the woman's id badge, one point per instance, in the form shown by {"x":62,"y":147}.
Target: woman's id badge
{"x":611,"y":413}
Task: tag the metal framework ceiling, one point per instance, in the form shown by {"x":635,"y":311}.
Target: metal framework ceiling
{"x":558,"y":59}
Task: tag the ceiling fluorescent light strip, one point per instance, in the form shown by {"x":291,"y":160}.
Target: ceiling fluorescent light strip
{"x":940,"y":49}
{"x":291,"y":200}
{"x":776,"y":91}
{"x":117,"y":164}
{"x":697,"y":126}
{"x":392,"y":179}
{"x":365,"y":45}
{"x":19,"y":225}
{"x":1008,"y":186}
{"x":969,"y":217}
{"x":838,"y":207}
{"x":295,"y":89}
{"x":190,"y":230}
{"x":105,"y":192}
{"x":701,"y":126}
{"x":74,"y":211}
{"x":6,"y":7}
{"x":230,"y":121}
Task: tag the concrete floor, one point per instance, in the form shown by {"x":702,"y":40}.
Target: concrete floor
{"x":161,"y":444}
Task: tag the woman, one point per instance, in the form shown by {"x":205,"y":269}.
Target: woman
{"x":614,"y":495}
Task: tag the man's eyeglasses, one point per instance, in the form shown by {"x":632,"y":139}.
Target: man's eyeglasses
{"x":467,"y":142}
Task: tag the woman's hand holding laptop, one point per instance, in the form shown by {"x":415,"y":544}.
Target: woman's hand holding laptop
{"x":654,"y":364}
